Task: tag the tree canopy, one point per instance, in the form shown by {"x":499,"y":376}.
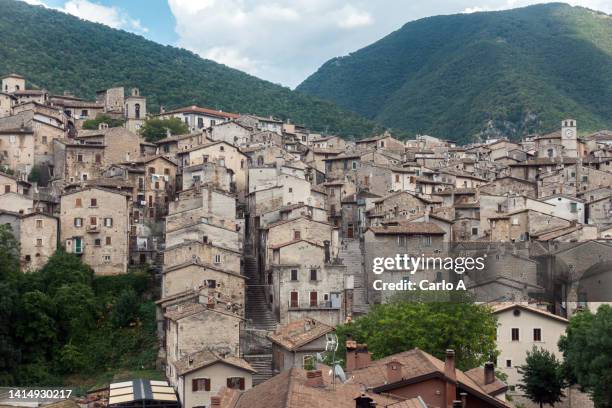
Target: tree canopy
{"x":62,"y":320}
{"x":587,"y":351}
{"x":93,"y":124}
{"x":431,"y":325}
{"x":543,"y":377}
{"x":155,"y":129}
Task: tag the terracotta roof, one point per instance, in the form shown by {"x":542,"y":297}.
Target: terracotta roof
{"x":501,"y":307}
{"x":409,"y":228}
{"x":300,"y":332}
{"x":295,"y":241}
{"x":290,"y":390}
{"x":415,"y":364}
{"x":206,"y":358}
{"x":477,"y":374}
{"x":206,"y":111}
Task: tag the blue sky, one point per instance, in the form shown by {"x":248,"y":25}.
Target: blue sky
{"x":282,"y":41}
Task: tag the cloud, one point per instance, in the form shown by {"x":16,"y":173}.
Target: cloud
{"x":111,"y":16}
{"x":355,"y":18}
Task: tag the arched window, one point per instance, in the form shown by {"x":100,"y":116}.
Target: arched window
{"x":137,"y":110}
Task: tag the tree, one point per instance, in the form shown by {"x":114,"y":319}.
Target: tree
{"x":587,"y":350}
{"x":34,"y":176}
{"x":155,"y":129}
{"x":433,"y":326}
{"x":63,"y":268}
{"x":543,"y":377}
{"x":92,"y":124}
{"x":9,"y":253}
{"x":126,"y":308}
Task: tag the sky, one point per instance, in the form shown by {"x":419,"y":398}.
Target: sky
{"x":282,"y":41}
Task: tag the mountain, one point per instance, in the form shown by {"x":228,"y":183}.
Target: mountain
{"x":466,"y":76}
{"x":61,"y":52}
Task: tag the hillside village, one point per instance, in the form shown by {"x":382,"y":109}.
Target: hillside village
{"x":262,"y":234}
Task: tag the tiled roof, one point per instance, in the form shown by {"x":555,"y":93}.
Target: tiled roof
{"x":300,"y":332}
{"x":206,"y":111}
{"x":478,"y":376}
{"x":289,"y":389}
{"x":205,"y":358}
{"x":417,"y":363}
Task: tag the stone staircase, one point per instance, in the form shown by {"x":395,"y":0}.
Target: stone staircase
{"x":257,"y":348}
{"x":258,"y":315}
{"x":262,"y":363}
{"x":351,"y":253}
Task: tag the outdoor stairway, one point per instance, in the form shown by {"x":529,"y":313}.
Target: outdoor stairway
{"x":260,"y":321}
{"x":262,"y":363}
{"x":258,"y":315}
{"x":351,"y":254}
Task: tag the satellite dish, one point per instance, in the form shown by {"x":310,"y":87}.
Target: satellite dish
{"x":339,"y":372}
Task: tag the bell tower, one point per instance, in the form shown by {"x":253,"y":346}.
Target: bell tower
{"x":569,"y":138}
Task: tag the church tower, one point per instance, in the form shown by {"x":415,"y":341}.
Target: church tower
{"x":135,"y":110}
{"x":569,"y":138}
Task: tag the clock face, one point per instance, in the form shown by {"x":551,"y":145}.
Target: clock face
{"x":569,"y":132}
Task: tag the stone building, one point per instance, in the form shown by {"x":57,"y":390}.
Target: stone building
{"x":95,"y":224}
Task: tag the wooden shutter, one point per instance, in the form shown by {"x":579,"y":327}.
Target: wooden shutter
{"x":207,"y":384}
{"x":242,"y":383}
{"x":194,"y":384}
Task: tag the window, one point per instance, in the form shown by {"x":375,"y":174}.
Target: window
{"x":217,"y":258}
{"x":474,"y":230}
{"x":98,"y":158}
{"x":574,"y":207}
{"x":167,"y":171}
{"x":537,"y":334}
{"x":93,"y":221}
{"x":397,"y":178}
{"x":515,"y":221}
{"x":108,"y":222}
{"x":78,"y":222}
{"x":291,"y":189}
{"x":426,"y":240}
{"x":39,"y":223}
{"x":151,"y":170}
{"x":107,"y":258}
{"x":108,"y":240}
{"x":235,"y":383}
{"x":314,"y":299}
{"x":44,"y":140}
{"x":93,"y":202}
{"x":80,"y":158}
{"x":84,"y":113}
{"x":294,"y":275}
{"x":401,"y":240}
{"x":297,"y":235}
{"x":294,"y":299}
{"x":157,"y":185}
{"x":200,"y":123}
{"x":366,"y":180}
{"x":78,"y":203}
{"x":515,"y":334}
{"x":313,"y":274}
{"x":200,"y":384}
{"x":221,"y":148}
{"x":84,"y":176}
{"x":354,"y":165}
{"x":38,"y":242}
{"x":508,"y":363}
{"x":97,"y":242}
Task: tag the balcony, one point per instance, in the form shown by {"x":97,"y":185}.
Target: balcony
{"x":322,"y":305}
{"x":93,"y":229}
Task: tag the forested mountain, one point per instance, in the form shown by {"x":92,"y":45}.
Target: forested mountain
{"x":61,"y":52}
{"x":468,"y":75}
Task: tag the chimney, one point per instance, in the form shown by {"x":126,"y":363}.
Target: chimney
{"x":489,"y":373}
{"x":215,"y":402}
{"x":394,"y":371}
{"x":451,"y":381}
{"x":327,"y":252}
{"x":457,"y":404}
{"x":363,"y":401}
{"x":463,"y":399}
{"x":357,"y":355}
{"x":314,"y":378}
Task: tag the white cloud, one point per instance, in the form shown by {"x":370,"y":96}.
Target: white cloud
{"x":355,"y":18}
{"x":111,"y":16}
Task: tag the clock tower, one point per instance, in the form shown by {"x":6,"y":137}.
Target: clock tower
{"x":569,"y":138}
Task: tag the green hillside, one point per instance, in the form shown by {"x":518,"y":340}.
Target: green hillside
{"x":468,"y":75}
{"x":61,"y":52}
